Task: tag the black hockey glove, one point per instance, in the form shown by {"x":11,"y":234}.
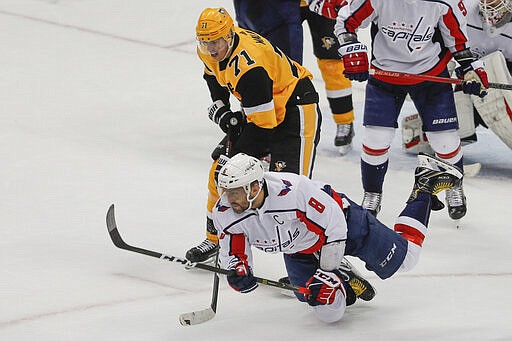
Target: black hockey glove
{"x":228,"y":121}
{"x":475,"y":78}
{"x":472,"y":72}
{"x":244,"y":280}
{"x":223,"y":159}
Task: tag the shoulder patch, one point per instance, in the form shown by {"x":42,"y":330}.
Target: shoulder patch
{"x":286,"y":187}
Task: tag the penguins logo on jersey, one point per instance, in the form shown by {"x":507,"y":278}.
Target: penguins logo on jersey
{"x":328,"y":42}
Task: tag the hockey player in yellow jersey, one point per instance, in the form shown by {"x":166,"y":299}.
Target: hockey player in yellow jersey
{"x":281,"y":23}
{"x":280,"y":119}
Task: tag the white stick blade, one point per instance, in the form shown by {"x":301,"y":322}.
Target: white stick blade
{"x":196,"y":317}
{"x":472,"y":170}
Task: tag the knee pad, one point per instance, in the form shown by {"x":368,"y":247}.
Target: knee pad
{"x":376,"y":143}
{"x":446,"y":144}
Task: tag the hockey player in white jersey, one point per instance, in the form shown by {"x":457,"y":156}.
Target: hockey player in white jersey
{"x":315,"y":226}
{"x":417,"y":37}
{"x":490,"y":38}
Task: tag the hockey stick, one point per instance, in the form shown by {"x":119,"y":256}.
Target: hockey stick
{"x":120,"y":243}
{"x":412,"y":77}
{"x":200,"y":316}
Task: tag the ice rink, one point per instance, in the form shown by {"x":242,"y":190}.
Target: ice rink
{"x":103,"y":101}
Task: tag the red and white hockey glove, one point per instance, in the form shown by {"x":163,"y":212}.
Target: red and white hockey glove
{"x":326,"y":8}
{"x":244,"y":280}
{"x":322,"y":288}
{"x":355,"y":60}
{"x":475,"y":78}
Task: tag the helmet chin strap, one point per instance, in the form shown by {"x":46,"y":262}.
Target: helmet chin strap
{"x":230,"y":47}
{"x":248,"y":192}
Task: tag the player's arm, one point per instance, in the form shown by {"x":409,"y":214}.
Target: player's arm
{"x":324,"y":216}
{"x":217,"y":91}
{"x":453,"y":27}
{"x":219,"y":112}
{"x":255,"y":88}
{"x":235,"y":254}
{"x":355,"y":54}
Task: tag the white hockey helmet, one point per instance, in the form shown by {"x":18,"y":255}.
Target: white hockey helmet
{"x":495,"y":13}
{"x":240,"y":171}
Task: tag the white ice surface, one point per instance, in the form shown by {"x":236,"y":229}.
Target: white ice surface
{"x":102,"y":101}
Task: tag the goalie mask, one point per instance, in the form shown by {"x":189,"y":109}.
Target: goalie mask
{"x":495,"y":13}
{"x":214,"y":32}
{"x":242,"y":171}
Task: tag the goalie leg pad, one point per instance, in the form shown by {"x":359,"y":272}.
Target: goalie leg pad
{"x":414,"y":140}
{"x":465,"y":115}
{"x":496,"y":108}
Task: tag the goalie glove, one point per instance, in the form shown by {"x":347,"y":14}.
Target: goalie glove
{"x":326,"y":8}
{"x":322,"y":288}
{"x":227,"y":120}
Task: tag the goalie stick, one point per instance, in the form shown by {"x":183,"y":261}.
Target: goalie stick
{"x":195,"y":317}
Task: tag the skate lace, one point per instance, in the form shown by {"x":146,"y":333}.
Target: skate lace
{"x":371,"y":200}
{"x":343,"y":129}
{"x":206,"y":246}
{"x":455,"y":196}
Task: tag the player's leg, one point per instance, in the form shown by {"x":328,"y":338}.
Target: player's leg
{"x":383,"y":103}
{"x":435,"y":104}
{"x":278,"y":21}
{"x":386,"y":251}
{"x":338,"y":88}
{"x":295,"y":139}
{"x":432,"y":176}
{"x":207,"y":249}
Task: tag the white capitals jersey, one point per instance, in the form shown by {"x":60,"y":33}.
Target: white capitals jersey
{"x":296,"y":216}
{"x":481,"y":41}
{"x":412,"y":36}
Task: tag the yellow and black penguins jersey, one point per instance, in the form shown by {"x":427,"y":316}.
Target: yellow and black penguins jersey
{"x":258,"y":74}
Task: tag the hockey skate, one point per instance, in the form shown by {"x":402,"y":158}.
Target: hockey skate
{"x":343,"y":139}
{"x":362,"y":288}
{"x":456,"y":201}
{"x":434,"y":175}
{"x":203,"y":253}
{"x":371,"y":201}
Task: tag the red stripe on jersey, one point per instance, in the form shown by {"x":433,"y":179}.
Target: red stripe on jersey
{"x":311,"y":226}
{"x":335,"y":195}
{"x":374,"y":152}
{"x":453,"y":25}
{"x":355,"y":20}
{"x":509,"y":111}
{"x":237,"y":247}
{"x":410,"y":233}
{"x":449,"y":155}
